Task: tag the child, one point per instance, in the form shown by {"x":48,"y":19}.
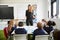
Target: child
{"x":20,"y":29}
{"x":49,"y":27}
{"x":40,"y":30}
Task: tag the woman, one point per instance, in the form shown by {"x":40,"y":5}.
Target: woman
{"x":29,"y":16}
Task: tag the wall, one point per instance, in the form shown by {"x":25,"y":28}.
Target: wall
{"x":42,"y":9}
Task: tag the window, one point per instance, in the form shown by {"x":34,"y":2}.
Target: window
{"x":54,"y":10}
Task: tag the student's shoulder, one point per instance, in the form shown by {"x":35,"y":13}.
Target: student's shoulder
{"x":24,"y":29}
{"x":35,"y":30}
{"x":16,"y":28}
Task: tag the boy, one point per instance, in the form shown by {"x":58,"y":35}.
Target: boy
{"x":20,"y":29}
{"x":39,"y":30}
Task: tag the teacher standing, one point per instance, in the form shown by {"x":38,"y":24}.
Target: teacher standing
{"x":29,"y":16}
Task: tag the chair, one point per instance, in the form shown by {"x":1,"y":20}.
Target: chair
{"x":19,"y":37}
{"x":56,"y":34}
{"x":41,"y":37}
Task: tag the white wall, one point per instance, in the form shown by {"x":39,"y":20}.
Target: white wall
{"x":42,"y":9}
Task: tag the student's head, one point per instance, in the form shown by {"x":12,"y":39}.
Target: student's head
{"x":10,"y":23}
{"x":53,"y":23}
{"x":49,"y":23}
{"x":39,"y":25}
{"x":20,"y":24}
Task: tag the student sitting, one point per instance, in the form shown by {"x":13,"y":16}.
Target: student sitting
{"x":49,"y":27}
{"x":15,"y":25}
{"x":7,"y":30}
{"x":40,"y":30}
{"x":20,"y":29}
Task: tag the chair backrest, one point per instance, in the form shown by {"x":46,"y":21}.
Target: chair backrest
{"x":41,"y":37}
{"x":20,"y":37}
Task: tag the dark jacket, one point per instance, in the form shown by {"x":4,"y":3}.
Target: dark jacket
{"x":20,"y":31}
{"x":39,"y":32}
{"x":48,"y":29}
{"x":29,"y":15}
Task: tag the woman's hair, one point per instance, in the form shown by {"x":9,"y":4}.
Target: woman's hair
{"x":20,"y":24}
{"x":29,"y":5}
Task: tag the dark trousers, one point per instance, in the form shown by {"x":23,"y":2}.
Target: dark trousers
{"x":29,"y":22}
